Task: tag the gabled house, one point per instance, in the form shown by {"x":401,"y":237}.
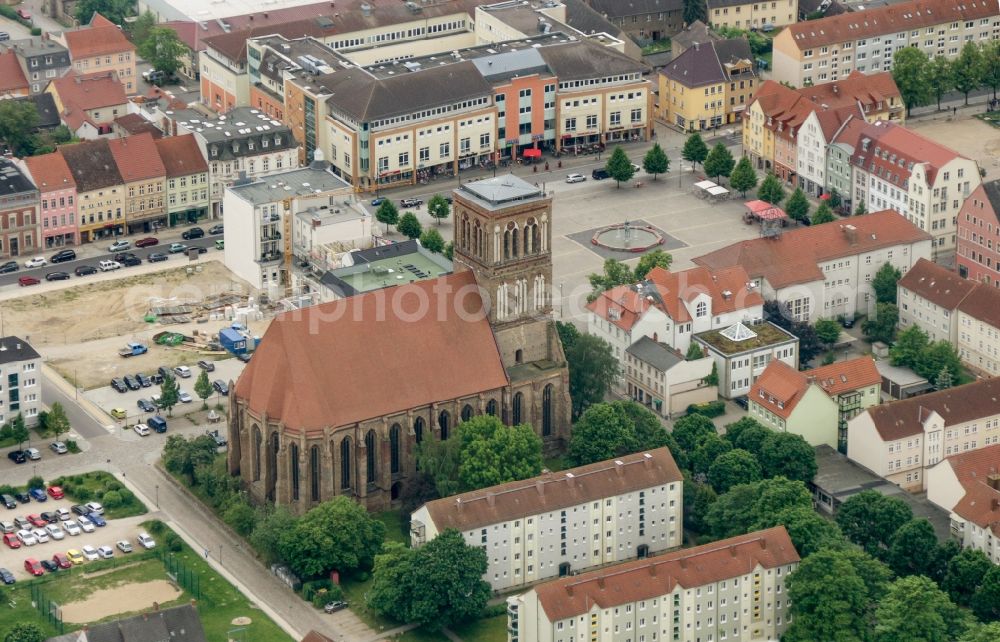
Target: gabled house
{"x":661,"y":379}
{"x":89,"y":103}
{"x":13,"y":84}
{"x":978,"y":251}
{"x":786,"y":400}
{"x":813,"y":143}
{"x":102,"y":47}
{"x":968,"y":487}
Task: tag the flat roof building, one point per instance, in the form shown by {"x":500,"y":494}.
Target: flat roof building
{"x":384,"y":266}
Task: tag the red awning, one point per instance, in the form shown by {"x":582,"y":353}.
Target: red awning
{"x":532,"y":153}
{"x":824,"y":197}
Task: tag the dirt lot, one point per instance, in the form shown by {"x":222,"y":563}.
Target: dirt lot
{"x":120,"y":599}
{"x":969,"y":136}
{"x":79,"y":330}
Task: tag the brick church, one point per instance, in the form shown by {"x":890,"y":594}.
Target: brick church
{"x":338,"y":395}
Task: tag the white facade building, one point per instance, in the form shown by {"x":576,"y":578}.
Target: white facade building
{"x":560,"y":523}
{"x":968,"y":487}
{"x":21,"y":370}
{"x":741,"y":353}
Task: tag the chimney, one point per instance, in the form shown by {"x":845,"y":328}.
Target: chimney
{"x":458,"y":503}
{"x":620,"y":467}
{"x":569,"y":590}
{"x":540,"y":487}
{"x":600,"y":582}
{"x":491,"y":499}
{"x":652,"y":569}
{"x":647,"y":461}
{"x":994,"y":504}
{"x":993,"y":481}
{"x":763,"y":543}
{"x":570,"y":480}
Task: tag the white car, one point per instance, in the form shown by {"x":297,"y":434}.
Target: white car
{"x":636,"y":168}
{"x":55,"y":532}
{"x":90,"y":553}
{"x":72,"y":528}
{"x":27,"y":538}
{"x":95,"y":507}
{"x":141,"y":429}
{"x":575,"y":178}
{"x":108,"y":266}
{"x":119,"y":246}
{"x":183,"y":372}
{"x":146,"y":541}
{"x":38,"y":261}
{"x":32,"y":454}
{"x":40,"y":535}
{"x":106,"y":552}
{"x":184,"y":397}
{"x":63,"y":514}
{"x":124,"y":546}
{"x":86,"y":525}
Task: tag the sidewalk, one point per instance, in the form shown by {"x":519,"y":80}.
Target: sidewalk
{"x":99,"y":247}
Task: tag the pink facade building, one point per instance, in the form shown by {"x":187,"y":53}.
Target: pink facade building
{"x":979,"y":235}
{"x":57,"y":195}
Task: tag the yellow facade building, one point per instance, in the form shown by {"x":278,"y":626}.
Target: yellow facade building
{"x":708,"y":85}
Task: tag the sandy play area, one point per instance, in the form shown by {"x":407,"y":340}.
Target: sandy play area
{"x":127,"y":598}
{"x":968,"y":136}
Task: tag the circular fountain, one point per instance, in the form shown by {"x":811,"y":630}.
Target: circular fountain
{"x":627,"y":237}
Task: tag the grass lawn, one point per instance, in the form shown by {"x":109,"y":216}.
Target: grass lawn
{"x":394,"y":520}
{"x":555,"y":463}
{"x":419,"y":635}
{"x":93,"y":485}
{"x":493,"y":629}
{"x":993,"y":118}
{"x":354,"y":594}
{"x":656,"y":46}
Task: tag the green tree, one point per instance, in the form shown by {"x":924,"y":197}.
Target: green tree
{"x":991,"y":65}
{"x":18,"y":119}
{"x":719,"y":162}
{"x":163,"y":50}
{"x":771,"y":190}
{"x":884,"y":283}
{"x":24,"y":632}
{"x":964,"y":574}
{"x":431,"y":239}
{"x":387,"y":214}
{"x":827,"y":330}
{"x":870,"y":519}
{"x":835,"y":200}
{"x":695,"y":10}
{"x":695,"y":150}
{"x":797,"y":206}
{"x":860,"y":209}
{"x":568,"y":333}
{"x":438,"y":208}
{"x":785,"y":454}
{"x":439,"y":460}
{"x":184,"y":456}
{"x":913,"y":549}
{"x":650,"y":260}
{"x":18,"y":431}
{"x":881,"y":326}
{"x":732,"y":468}
{"x":710,"y":448}
{"x":56,"y":420}
{"x":240,"y":516}
{"x":592,"y":369}
{"x":748,"y":434}
{"x":437,"y":585}
{"x":615,"y":273}
{"x":910,"y":344}
{"x":967,"y":70}
{"x":982,"y":633}
{"x":619,"y":167}
{"x":694,"y":352}
{"x":940,"y":78}
{"x":936,"y":357}
{"x":338,"y":534}
{"x":656,"y":161}
{"x":139,"y":30}
{"x":689,"y":431}
{"x":736,"y":511}
{"x":698,"y":499}
{"x":823,"y":214}
{"x":203,"y":388}
{"x":169,"y":393}
{"x":915,"y":609}
{"x":611,"y":429}
{"x":909,"y":70}
{"x":743,"y":178}
{"x":492,"y":453}
{"x":409,"y":226}
{"x":713,"y":377}
{"x":449,"y":250}
{"x":114,"y":10}
{"x":944,"y":380}
{"x":808,"y":530}
{"x":986,"y":600}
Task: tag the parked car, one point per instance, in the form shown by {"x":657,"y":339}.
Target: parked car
{"x":333,"y":607}
{"x":26,"y":537}
{"x":33,"y":567}
{"x":37,"y":494}
{"x":86,"y":525}
{"x":184,"y":396}
{"x":146,"y":406}
{"x":71,"y":527}
{"x":183,"y":372}
{"x":74,"y":556}
{"x":141,"y":429}
{"x":207,"y":366}
{"x":131,"y":260}
{"x":600,"y":174}
{"x":108,"y":266}
{"x":8,"y":501}
{"x":121,"y":256}
{"x":63,"y":514}
{"x":106,"y":552}
{"x":118,"y":413}
{"x":216,"y":229}
{"x":4,"y":36}
{"x":58,"y":448}
{"x":55,"y":492}
{"x":57,"y":276}
{"x":50,"y":517}
{"x":411,"y":202}
{"x":62,"y":560}
{"x":124,"y":546}
{"x":22,"y":523}
{"x":9,"y":266}
{"x":17,"y":456}
{"x":193,"y":233}
{"x":25,"y":281}
{"x":79,"y":509}
{"x":575,"y":178}
{"x":84,"y":270}
{"x":63,"y":255}
{"x":37,"y":261}
{"x":175,"y":248}
{"x":131,"y":383}
{"x":164,"y":371}
{"x":156,"y":257}
{"x":97,"y":520}
{"x":220,"y":440}
{"x":158,"y":423}
{"x":119,"y":246}
{"x":742,"y":401}
{"x":119,"y":385}
{"x":145,"y":541}
{"x":378,"y":200}
{"x":90,"y":553}
{"x":49,"y":566}
{"x":33,"y":455}
{"x":41,"y":535}
{"x":7,"y":527}
{"x":55,"y":532}
{"x":36,"y":520}
{"x":143,"y":380}
{"x":149,"y":241}
{"x":6,"y":576}
{"x":95,"y":507}
{"x":22,"y":497}
{"x":11,"y":540}
{"x":221,"y":387}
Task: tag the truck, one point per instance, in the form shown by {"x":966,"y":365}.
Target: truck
{"x":132,"y":350}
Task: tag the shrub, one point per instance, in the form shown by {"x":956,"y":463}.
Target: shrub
{"x":320,"y":598}
{"x":127,"y":496}
{"x":83,"y":494}
{"x":312,"y":588}
{"x":362,"y":576}
{"x":68,"y":487}
{"x":708,"y":409}
{"x":36,"y":482}
{"x":335,"y":592}
{"x":112,"y":499}
{"x":72,"y":446}
{"x":7,"y":489}
{"x":156,"y":527}
{"x":173,"y":542}
{"x":80,"y":479}
{"x":240,"y":516}
{"x":36,"y":31}
{"x":494,"y":610}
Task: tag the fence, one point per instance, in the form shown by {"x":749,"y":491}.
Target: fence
{"x":48,"y":609}
{"x":183,"y":575}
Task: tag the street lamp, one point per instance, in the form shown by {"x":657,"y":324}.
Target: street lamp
{"x":157,"y":495}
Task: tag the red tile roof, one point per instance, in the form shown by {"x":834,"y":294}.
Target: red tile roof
{"x":99,"y":38}
{"x":50,"y":172}
{"x":181,"y":155}
{"x":12,"y":79}
{"x":876,"y":21}
{"x":657,"y":576}
{"x":937,"y":284}
{"x":900,"y":419}
{"x":794,"y":256}
{"x":779,"y":388}
{"x":137,"y":158}
{"x":233,"y":45}
{"x":622,"y":305}
{"x":386,"y":360}
{"x":850,"y":132}
{"x":856,"y":87}
{"x":90,"y":91}
{"x":893,"y":150}
{"x":133,"y":124}
{"x":978,"y":471}
{"x":554,"y":491}
{"x":844,"y":376}
{"x":785,"y":108}
{"x":983,"y":304}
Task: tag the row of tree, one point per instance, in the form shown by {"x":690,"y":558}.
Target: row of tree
{"x":409,"y":226}
{"x":921,"y":79}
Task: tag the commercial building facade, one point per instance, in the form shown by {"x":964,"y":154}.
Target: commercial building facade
{"x":144,"y":180}
{"x":19,"y":234}
{"x":660,"y":378}
{"x":57,"y":193}
{"x":749,"y":16}
{"x":605,"y":512}
{"x":187,"y":184}
{"x":978,"y":251}
{"x":100,"y":200}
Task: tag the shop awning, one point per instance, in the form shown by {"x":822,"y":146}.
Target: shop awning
{"x":532,"y":153}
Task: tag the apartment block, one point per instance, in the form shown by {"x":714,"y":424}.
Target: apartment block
{"x":978,"y":252}
{"x":100,"y":189}
{"x":663,"y":380}
{"x":558,"y":524}
{"x":729,"y":590}
{"x":19,"y":233}
{"x":968,"y":487}
{"x":57,"y":193}
{"x":145,"y":181}
{"x":643,"y":19}
{"x":741,"y":14}
{"x":21,"y":369}
{"x":41,"y":60}
{"x":825,"y":271}
{"x":902,"y":439}
{"x":814,"y":52}
{"x":928,"y":296}
{"x":101,"y":47}
{"x":186,"y":179}
{"x":979,"y":331}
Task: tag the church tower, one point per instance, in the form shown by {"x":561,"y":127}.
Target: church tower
{"x":503,"y":234}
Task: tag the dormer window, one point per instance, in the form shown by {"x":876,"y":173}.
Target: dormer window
{"x":263,"y":143}
{"x":277,"y":140}
{"x":215,"y":151}
{"x":250,"y":145}
{"x":701,"y":309}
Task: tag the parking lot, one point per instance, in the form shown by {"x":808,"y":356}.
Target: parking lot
{"x":106,"y":398}
{"x":13,"y":559}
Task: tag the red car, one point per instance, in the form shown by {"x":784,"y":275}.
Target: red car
{"x":33,"y":566}
{"x":10,"y":539}
{"x":24,"y":13}
{"x":149,"y":241}
{"x":37,"y":520}
{"x":55,"y":492}
{"x":61,"y":560}
{"x":27,"y":280}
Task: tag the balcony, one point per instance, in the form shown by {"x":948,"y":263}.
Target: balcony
{"x":270,"y":257}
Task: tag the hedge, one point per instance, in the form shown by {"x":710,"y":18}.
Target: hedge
{"x":709,"y":409}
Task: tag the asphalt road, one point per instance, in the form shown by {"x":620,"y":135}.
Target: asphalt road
{"x":82,"y":422}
